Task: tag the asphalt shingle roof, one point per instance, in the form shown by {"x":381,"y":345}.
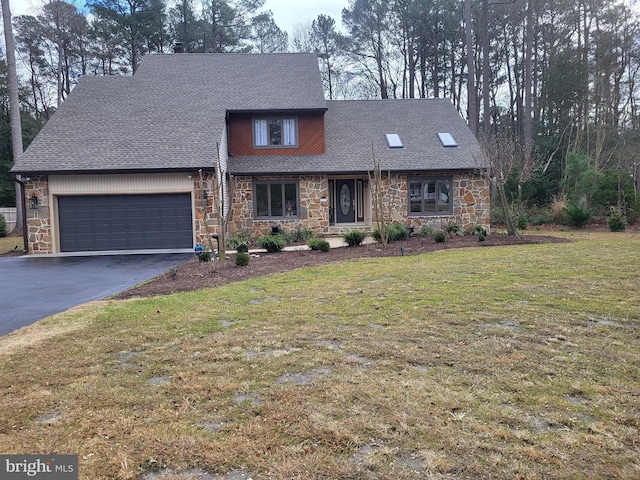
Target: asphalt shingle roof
{"x":170,"y":115}
{"x":353,"y":127}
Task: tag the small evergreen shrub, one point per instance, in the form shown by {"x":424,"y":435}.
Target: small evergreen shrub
{"x":205,"y":256}
{"x":303,"y":235}
{"x":523,"y":220}
{"x":427,"y":231}
{"x":478,"y":230}
{"x":242,"y":259}
{"x":396,"y":232}
{"x":238,"y":238}
{"x":440,"y":236}
{"x":481,"y":237}
{"x":319,"y":244}
{"x":577,"y":215}
{"x":455,"y":229}
{"x":3,"y":227}
{"x":273,"y":243}
{"x":242,"y":248}
{"x":354,"y":237}
{"x":616,"y":222}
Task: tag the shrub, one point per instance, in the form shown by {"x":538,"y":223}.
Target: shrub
{"x":558,"y":207}
{"x":242,"y":259}
{"x":238,"y":238}
{"x":454,"y":228}
{"x":303,"y":235}
{"x":205,"y":256}
{"x":242,"y":248}
{"x":523,"y":220}
{"x":3,"y":226}
{"x":616,"y":222}
{"x":273,"y":243}
{"x":396,"y":232}
{"x":319,"y":244}
{"x":481,"y":237}
{"x":577,"y":215}
{"x":478,"y":230}
{"x":440,"y":236}
{"x":427,"y":231}
{"x":354,"y":237}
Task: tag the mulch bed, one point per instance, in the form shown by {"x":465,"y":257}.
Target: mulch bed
{"x":193,"y":275}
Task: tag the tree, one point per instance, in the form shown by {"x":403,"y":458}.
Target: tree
{"x":14,"y":104}
{"x":367,"y":22}
{"x":138,"y":22}
{"x":501,"y":156}
{"x":267,"y":36}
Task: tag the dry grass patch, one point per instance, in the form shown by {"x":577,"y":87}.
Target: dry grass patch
{"x":11,"y":243}
{"x":519,"y":362}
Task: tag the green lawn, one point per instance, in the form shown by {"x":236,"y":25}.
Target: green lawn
{"x":504,"y":363}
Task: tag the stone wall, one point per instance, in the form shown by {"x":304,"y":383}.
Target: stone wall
{"x":201,"y":206}
{"x":471,"y":207}
{"x":39,"y":219}
{"x":314,"y":206}
{"x":471,"y":204}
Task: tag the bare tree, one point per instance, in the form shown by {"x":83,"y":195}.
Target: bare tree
{"x":502,"y":157}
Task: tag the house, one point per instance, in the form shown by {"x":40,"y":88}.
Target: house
{"x":131,"y":163}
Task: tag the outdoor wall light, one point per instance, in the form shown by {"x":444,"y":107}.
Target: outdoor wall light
{"x":205,"y":194}
{"x":33,"y":201}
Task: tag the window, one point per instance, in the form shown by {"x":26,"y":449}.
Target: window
{"x":275,"y":131}
{"x":275,"y":199}
{"x":447,"y":139}
{"x":393,"y":140}
{"x":430,"y":196}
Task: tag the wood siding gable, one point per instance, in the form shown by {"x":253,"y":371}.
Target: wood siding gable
{"x":311,"y":135}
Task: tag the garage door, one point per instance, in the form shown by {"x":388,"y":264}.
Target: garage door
{"x":125,"y":222}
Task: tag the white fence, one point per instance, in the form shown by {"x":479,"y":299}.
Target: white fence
{"x":10,"y":216}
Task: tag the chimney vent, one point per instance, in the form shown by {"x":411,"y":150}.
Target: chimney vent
{"x":177,"y":47}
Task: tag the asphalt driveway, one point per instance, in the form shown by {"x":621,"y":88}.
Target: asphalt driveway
{"x":32,"y":288}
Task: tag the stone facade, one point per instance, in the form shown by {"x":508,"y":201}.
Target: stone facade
{"x":471,"y":207}
{"x":471,"y":204}
{"x":471,"y":201}
{"x":38,"y":219}
{"x":204,"y":209}
{"x":314,"y":206}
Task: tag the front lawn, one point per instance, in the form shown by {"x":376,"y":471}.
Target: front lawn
{"x":501,"y":362}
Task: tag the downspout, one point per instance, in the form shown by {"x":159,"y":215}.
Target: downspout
{"x":25,"y":234}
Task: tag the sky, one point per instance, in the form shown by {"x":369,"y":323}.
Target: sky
{"x":287,"y":13}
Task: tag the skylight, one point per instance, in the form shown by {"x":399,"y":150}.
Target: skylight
{"x":447,"y":139}
{"x":393,"y":140}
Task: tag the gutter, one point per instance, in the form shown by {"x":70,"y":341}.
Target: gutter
{"x":25,"y":234}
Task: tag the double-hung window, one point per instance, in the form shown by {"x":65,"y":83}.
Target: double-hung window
{"x":275,"y":132}
{"x":430,"y":196}
{"x":275,"y":199}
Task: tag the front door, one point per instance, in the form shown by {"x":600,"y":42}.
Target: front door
{"x":345,"y":201}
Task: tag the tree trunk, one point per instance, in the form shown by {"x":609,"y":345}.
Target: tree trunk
{"x":14,"y":106}
{"x":471,"y":71}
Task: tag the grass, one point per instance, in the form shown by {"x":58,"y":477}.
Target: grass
{"x":9,"y":243}
{"x":518,"y":362}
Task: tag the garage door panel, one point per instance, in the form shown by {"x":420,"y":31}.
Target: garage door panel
{"x":125,"y":222}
